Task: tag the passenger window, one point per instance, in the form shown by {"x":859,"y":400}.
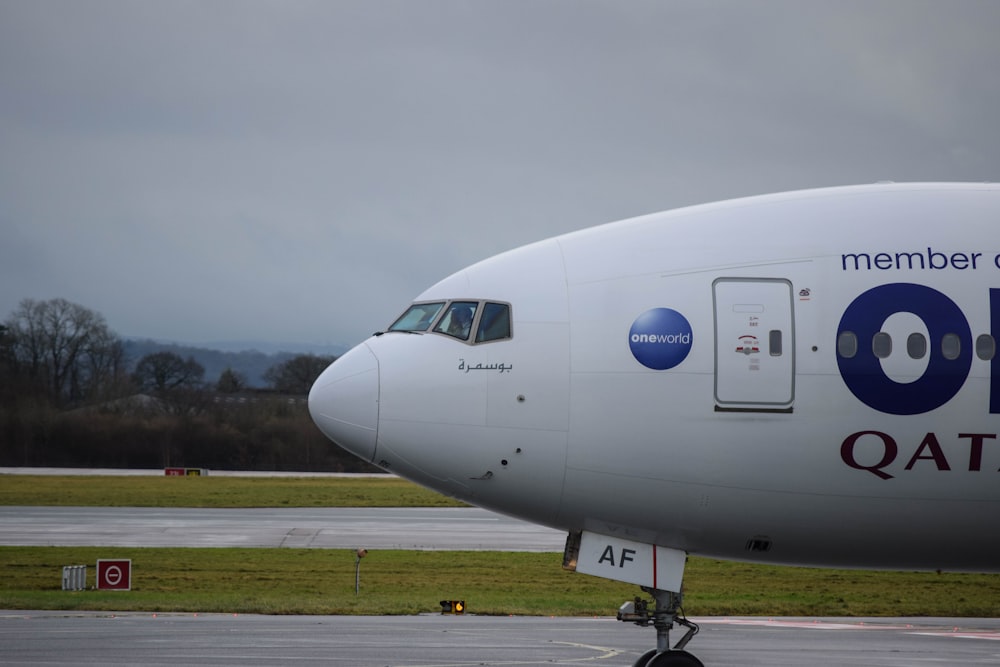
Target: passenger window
{"x":457,"y":321}
{"x":847,"y":344}
{"x":916,"y":346}
{"x":495,"y":323}
{"x":951,"y":346}
{"x":417,"y":317}
{"x":986,"y":347}
{"x":882,"y":345}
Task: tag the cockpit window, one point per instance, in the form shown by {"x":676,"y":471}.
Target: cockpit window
{"x":495,"y":323}
{"x":489,"y":320}
{"x":418,"y":317}
{"x":457,"y":321}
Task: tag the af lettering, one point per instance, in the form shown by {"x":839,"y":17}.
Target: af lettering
{"x":609,"y":556}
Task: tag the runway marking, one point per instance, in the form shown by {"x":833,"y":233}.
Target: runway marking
{"x":962,"y":634}
{"x":607,"y":653}
{"x":810,"y":625}
{"x":826,"y":625}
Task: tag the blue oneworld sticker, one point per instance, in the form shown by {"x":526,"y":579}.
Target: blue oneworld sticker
{"x":660,"y":338}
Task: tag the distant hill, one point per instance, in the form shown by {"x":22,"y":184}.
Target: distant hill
{"x":252,"y":359}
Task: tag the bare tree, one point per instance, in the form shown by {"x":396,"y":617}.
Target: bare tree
{"x":62,"y":346}
{"x":10,"y":384}
{"x":231,"y":382}
{"x":102,"y":372}
{"x":296,"y":375}
{"x":167,"y":371}
{"x":8,"y":361}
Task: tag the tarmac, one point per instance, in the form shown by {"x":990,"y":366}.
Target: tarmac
{"x":74,"y":638}
{"x":425,"y":528}
{"x":55,"y":638}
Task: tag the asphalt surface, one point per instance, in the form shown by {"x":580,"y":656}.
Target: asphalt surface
{"x":82,"y":638}
{"x":61,"y":638}
{"x":453,"y":528}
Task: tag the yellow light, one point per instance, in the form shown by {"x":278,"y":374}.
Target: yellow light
{"x":452,"y":606}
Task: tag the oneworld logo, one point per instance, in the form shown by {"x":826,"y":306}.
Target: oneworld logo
{"x":660,"y":338}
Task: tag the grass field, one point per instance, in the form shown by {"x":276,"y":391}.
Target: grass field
{"x":113,"y":491}
{"x":319,"y":581}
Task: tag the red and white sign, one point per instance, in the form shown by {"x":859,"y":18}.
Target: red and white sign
{"x":184,"y":472}
{"x":114,"y":575}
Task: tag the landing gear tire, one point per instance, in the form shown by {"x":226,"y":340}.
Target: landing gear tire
{"x":674,"y":659}
{"x":644,"y":658}
{"x":664,"y":615}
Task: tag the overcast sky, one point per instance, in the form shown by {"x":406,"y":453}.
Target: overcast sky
{"x":298,"y":171}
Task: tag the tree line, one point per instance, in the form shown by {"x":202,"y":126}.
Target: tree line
{"x":70,"y":396}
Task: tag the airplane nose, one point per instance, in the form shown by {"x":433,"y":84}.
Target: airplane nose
{"x":344,"y":401}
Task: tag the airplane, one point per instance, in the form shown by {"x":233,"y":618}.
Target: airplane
{"x":806,"y":378}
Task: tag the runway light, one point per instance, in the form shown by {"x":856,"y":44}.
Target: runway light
{"x":452,"y":606}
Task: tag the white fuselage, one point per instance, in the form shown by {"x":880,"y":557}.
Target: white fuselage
{"x":688,"y":379}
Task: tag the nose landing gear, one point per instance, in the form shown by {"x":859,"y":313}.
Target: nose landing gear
{"x":666,"y":611}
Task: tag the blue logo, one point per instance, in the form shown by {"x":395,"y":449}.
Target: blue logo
{"x":660,"y":338}
{"x":943,"y":377}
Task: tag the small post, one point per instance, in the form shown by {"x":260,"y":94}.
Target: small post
{"x":358,"y":555}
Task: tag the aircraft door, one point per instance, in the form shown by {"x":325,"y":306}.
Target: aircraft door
{"x":754,"y":344}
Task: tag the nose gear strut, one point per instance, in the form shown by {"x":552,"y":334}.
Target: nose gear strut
{"x":666,"y":611}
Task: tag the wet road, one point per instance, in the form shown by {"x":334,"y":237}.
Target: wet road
{"x":74,"y":638}
{"x":453,"y":528}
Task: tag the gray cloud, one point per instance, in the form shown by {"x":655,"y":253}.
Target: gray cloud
{"x":300,"y":170}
